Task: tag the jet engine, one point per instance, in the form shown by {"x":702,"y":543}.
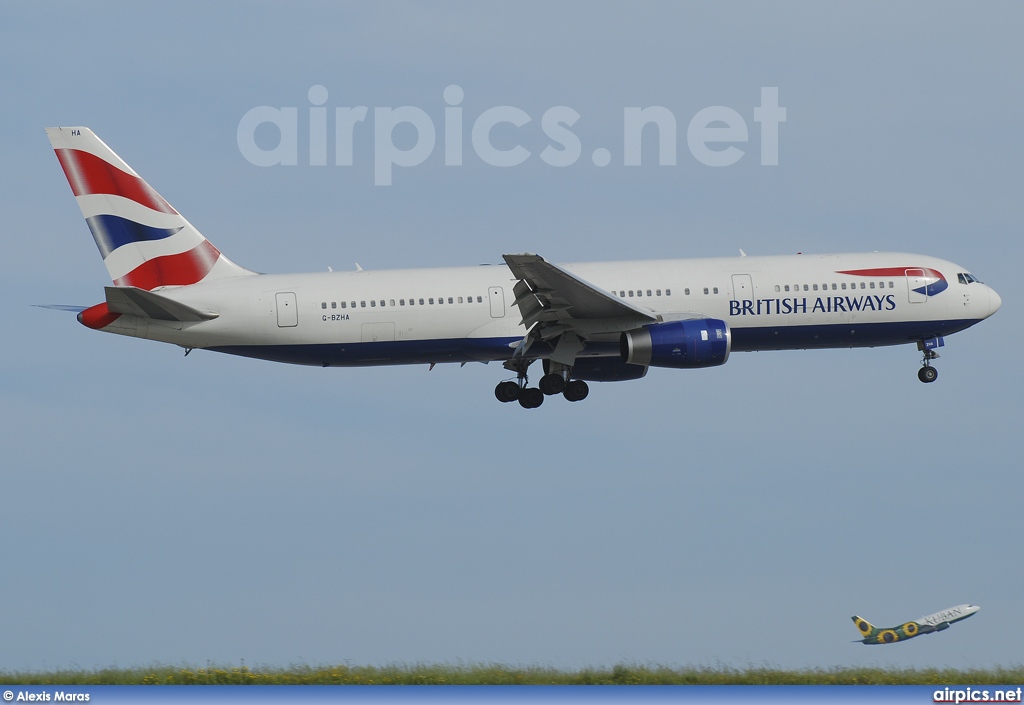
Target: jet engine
{"x":701,"y":342}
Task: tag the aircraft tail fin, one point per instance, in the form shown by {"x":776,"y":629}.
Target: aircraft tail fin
{"x":866,"y":628}
{"x":144,"y":242}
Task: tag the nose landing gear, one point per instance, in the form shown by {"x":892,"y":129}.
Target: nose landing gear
{"x":927,"y":346}
{"x":927,"y":373}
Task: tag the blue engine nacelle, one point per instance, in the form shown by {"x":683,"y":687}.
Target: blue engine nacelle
{"x":606,"y":369}
{"x":702,"y":342}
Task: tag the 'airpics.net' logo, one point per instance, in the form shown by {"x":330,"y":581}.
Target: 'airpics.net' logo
{"x":714,"y":134}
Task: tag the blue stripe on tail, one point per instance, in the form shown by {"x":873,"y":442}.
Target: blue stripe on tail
{"x":112,"y":231}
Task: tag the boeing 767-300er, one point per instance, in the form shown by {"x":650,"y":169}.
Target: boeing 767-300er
{"x":600,"y":321}
{"x":924,"y":625}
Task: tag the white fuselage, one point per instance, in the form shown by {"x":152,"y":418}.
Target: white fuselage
{"x":949,"y":616}
{"x":468,"y":313}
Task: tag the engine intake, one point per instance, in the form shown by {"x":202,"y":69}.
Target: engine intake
{"x":702,"y":342}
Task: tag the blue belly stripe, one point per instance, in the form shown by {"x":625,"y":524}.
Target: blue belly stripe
{"x":422,"y":352}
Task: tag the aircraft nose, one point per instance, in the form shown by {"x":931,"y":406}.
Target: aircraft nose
{"x":994,"y":301}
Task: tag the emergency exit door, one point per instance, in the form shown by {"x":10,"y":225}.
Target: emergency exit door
{"x":742,"y":287}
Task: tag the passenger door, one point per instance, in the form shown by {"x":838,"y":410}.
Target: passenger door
{"x":917,"y":286}
{"x":497,"y":296}
{"x":287,"y":310}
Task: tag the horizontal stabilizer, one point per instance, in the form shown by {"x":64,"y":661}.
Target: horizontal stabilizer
{"x":139,"y":302}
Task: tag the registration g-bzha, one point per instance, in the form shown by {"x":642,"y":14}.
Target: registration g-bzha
{"x":586,"y":322}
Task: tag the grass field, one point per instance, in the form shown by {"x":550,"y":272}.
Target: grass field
{"x":507,"y":675}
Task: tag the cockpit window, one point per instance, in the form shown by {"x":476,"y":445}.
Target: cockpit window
{"x":965,"y":278}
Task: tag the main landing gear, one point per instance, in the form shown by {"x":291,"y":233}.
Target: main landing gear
{"x":927,"y":373}
{"x":549,"y":385}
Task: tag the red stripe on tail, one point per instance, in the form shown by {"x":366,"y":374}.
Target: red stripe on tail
{"x":173,"y":270}
{"x":88,"y":175}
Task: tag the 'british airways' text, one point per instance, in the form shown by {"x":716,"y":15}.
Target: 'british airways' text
{"x":821,"y":304}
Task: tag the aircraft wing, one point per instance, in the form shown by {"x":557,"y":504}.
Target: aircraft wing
{"x":555,"y":303}
{"x":551,"y":293}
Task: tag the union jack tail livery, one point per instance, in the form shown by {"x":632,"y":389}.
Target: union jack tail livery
{"x":144,"y":242}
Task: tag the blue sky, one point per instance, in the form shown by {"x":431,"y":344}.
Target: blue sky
{"x":213,"y":509}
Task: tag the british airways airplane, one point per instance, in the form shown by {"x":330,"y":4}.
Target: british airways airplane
{"x":602,"y":321}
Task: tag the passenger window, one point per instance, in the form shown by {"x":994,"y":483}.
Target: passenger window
{"x":648,"y":292}
{"x":343,"y":304}
{"x":460,"y":299}
{"x":362,"y":304}
{"x":334,"y":304}
{"x":630,"y":292}
{"x":668,"y":292}
{"x":421,"y":301}
{"x":872,"y":285}
{"x":431,"y":301}
{"x":862,"y":285}
{"x":401,"y":302}
{"x":890,"y":284}
{"x":382,"y":303}
{"x":639,"y":293}
{"x":787,"y":287}
{"x":806,"y":288}
{"x":705,"y":290}
{"x":815,"y":287}
{"x":391,"y":303}
{"x":834,"y":287}
{"x":778,"y":288}
{"x":716,"y":289}
{"x":450,"y":300}
{"x":373,"y":303}
{"x":324,"y":304}
{"x":843,"y":286}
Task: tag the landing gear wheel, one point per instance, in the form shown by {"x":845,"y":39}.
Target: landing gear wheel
{"x":530,"y":397}
{"x":576,"y":390}
{"x":552,"y":384}
{"x":927,"y":374}
{"x":506,"y":391}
